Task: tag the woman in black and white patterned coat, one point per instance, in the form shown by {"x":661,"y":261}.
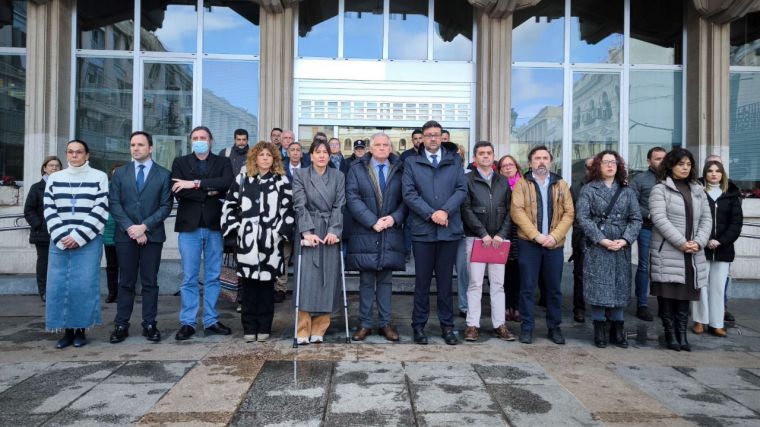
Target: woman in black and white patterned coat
{"x":607,"y":274}
{"x":259,"y":209}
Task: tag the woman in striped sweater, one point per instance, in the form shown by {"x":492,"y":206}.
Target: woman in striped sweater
{"x":76,"y":209}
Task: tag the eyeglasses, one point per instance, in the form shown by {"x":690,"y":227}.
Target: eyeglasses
{"x":431,"y":135}
{"x":74,"y":152}
{"x":609,"y":162}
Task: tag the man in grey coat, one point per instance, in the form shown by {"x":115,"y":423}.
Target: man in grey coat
{"x":642,"y":184}
{"x":140,"y":200}
{"x":434,"y":188}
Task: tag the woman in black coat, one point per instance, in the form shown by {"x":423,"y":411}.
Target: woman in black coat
{"x":33,"y":213}
{"x":726,"y":209}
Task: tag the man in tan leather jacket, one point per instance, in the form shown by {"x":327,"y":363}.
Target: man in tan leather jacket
{"x":542,"y":208}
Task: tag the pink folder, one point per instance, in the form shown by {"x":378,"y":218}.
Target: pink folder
{"x":490,"y":255}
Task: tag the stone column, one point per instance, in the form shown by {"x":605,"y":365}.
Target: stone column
{"x":494,"y":80}
{"x":276,"y":70}
{"x":48,"y":82}
{"x":707,"y":86}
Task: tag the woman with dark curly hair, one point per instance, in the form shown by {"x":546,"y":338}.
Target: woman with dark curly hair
{"x":608,"y":213}
{"x":681,"y":229}
{"x":259,"y":211}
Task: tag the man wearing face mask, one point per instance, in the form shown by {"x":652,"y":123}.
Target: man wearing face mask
{"x":199,"y":182}
{"x":542,"y":208}
{"x":239,"y":150}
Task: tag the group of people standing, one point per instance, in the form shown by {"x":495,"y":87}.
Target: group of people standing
{"x":273,"y":201}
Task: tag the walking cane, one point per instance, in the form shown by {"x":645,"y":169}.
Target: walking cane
{"x":343,"y":281}
{"x":298,"y":294}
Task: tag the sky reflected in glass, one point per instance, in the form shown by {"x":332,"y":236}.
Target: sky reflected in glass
{"x":238,"y":21}
{"x":407,"y":33}
{"x":230,"y":100}
{"x":173,"y":30}
{"x":318,"y":29}
{"x":363,"y":29}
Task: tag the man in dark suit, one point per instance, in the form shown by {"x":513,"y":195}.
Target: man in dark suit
{"x":434,"y":188}
{"x":337,"y":160}
{"x":201,"y":180}
{"x":140,"y":200}
{"x":295,"y":160}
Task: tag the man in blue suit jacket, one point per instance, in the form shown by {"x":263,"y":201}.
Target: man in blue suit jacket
{"x":140,"y":200}
{"x":434,"y":188}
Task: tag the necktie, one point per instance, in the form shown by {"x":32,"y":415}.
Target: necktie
{"x":435,"y":160}
{"x":381,"y":177}
{"x":140,"y":177}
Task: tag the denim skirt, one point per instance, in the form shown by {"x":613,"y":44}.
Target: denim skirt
{"x":73,"y":290}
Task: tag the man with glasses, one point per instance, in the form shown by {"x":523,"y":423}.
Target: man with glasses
{"x":200,"y":181}
{"x":275,"y":136}
{"x":642,"y":184}
{"x":336,"y":156}
{"x":579,"y":305}
{"x":434,"y":188}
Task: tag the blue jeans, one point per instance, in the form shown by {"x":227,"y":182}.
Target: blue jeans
{"x":463,"y":276}
{"x":375,"y":285}
{"x":534,"y":259}
{"x":191,"y":245}
{"x":642,"y":272}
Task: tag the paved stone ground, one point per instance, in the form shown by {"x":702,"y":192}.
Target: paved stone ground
{"x":223,"y":381}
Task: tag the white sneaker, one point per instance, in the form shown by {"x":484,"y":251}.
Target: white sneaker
{"x":316,"y":339}
{"x":262,"y":337}
{"x":249,"y":337}
{"x":302,"y":341}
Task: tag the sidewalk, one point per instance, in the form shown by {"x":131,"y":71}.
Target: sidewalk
{"x":219,"y":380}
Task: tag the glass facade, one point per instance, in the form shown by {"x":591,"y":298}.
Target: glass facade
{"x":119,"y":90}
{"x":12,"y":90}
{"x":576,"y":95}
{"x":363,"y":29}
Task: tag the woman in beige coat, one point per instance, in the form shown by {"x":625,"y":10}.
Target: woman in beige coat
{"x":682,"y":222}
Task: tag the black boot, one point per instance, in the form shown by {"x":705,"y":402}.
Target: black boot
{"x":668,"y":323}
{"x":67,"y":340}
{"x":617,"y":333}
{"x":80,"y":339}
{"x":600,"y":334}
{"x":682,"y":324}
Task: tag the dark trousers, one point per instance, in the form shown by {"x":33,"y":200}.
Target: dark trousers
{"x":134,"y":260}
{"x":42,"y":262}
{"x":512,"y":284}
{"x":257,"y":306}
{"x":429,"y":258}
{"x":534,"y":259}
{"x":112,"y":269}
{"x":578,"y":301}
{"x":375,"y":285}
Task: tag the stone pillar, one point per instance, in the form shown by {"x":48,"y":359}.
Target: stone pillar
{"x":707,"y":86}
{"x":276,"y":70}
{"x":494,"y":80}
{"x":48,"y":82}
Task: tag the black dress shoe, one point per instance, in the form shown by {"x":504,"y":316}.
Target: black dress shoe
{"x":152,"y":333}
{"x":644,"y":314}
{"x":449,"y":337}
{"x":184,"y":333}
{"x":218,"y":329}
{"x":579,"y":315}
{"x":526,"y":336}
{"x":279,"y":296}
{"x":80,"y":340}
{"x":463,"y":314}
{"x":420,"y":337}
{"x":119,"y":334}
{"x":67,"y":340}
{"x":556,"y":336}
{"x":110,"y":299}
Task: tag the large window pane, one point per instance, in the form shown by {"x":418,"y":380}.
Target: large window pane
{"x":227,"y":20}
{"x":12,"y":96}
{"x":656,"y":32}
{"x":744,"y":131}
{"x":318,"y":28}
{"x":596,"y":117}
{"x":655,"y":114}
{"x":363,"y":29}
{"x":596,"y":31}
{"x":104,"y":109}
{"x":105,"y":25}
{"x":169,"y":26}
{"x":407,"y":33}
{"x":230,"y":100}
{"x":452,"y":38}
{"x":13,"y":24}
{"x":536,"y":117}
{"x":745,"y":40}
{"x":168,"y":109}
{"x":539,"y":32}
{"x":306,"y":134}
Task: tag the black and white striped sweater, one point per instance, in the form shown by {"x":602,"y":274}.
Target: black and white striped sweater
{"x":76,"y":204}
